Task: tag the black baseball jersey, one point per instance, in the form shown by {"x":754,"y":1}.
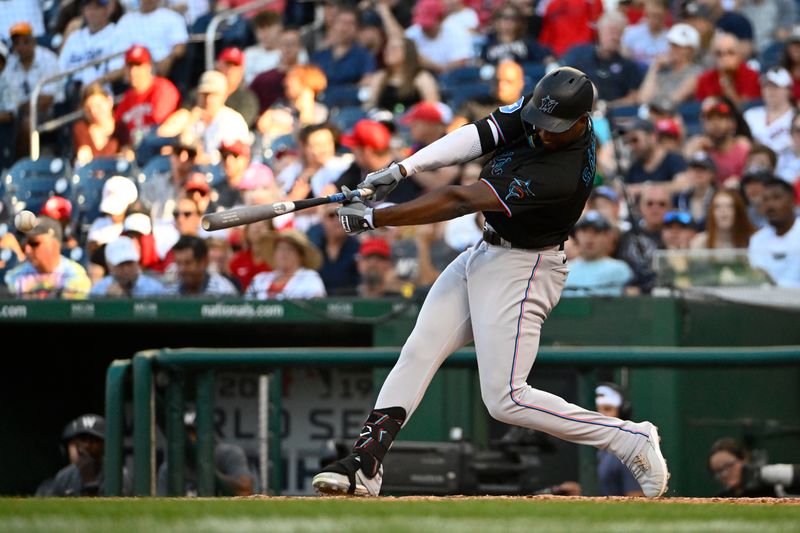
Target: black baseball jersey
{"x":543,"y":192}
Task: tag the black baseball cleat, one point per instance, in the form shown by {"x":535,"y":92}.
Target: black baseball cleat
{"x":346,"y":477}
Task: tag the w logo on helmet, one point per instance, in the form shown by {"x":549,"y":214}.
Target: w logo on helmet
{"x":547,"y":104}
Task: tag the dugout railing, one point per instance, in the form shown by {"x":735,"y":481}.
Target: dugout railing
{"x":175,"y":368}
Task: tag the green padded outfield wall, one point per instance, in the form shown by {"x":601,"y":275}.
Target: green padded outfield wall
{"x":60,"y":369}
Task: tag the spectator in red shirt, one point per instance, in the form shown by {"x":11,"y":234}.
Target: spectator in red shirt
{"x":151,"y":98}
{"x":567,"y":23}
{"x":730,"y":77}
{"x":248,"y":261}
{"x":725,"y":137}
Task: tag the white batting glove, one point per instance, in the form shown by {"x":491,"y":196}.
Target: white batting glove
{"x":354,"y":216}
{"x":383,"y":181}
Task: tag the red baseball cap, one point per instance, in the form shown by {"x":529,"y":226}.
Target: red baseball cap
{"x":368,"y":134}
{"x":232,"y":55}
{"x":197,"y":182}
{"x":58,"y":208}
{"x":667,"y":126}
{"x":430,"y":112}
{"x":237,"y":147}
{"x":138,"y":55}
{"x":428,"y":13}
{"x":375,"y":246}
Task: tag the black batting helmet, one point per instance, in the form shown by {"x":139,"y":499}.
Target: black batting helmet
{"x":88,"y":424}
{"x":559,"y":100}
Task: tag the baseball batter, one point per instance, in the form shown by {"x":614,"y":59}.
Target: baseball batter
{"x":499,"y":292}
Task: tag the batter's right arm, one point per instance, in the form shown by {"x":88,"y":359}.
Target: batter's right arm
{"x":459,"y":146}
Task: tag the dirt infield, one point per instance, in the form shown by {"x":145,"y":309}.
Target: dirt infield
{"x":544,"y":498}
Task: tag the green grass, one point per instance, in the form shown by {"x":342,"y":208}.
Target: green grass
{"x":388,"y":514}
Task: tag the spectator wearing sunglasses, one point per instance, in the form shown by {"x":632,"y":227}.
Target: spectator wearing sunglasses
{"x":730,"y":77}
{"x":652,"y":161}
{"x":162,"y":190}
{"x":678,"y":230}
{"x":45,"y":273}
{"x":636,"y":246}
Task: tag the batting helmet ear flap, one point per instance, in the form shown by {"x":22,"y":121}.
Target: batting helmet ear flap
{"x":626,"y":407}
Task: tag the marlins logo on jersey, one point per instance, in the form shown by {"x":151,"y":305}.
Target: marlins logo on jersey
{"x":519,"y":189}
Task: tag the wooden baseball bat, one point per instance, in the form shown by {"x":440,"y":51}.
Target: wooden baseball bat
{"x":245,"y":215}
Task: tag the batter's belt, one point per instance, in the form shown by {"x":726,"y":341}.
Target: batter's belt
{"x":494,"y":238}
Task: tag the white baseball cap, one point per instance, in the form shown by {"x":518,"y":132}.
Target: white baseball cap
{"x":684,"y":35}
{"x":605,"y":395}
{"x":777,"y":75}
{"x":118,"y":193}
{"x":120,"y":250}
{"x":138,"y":222}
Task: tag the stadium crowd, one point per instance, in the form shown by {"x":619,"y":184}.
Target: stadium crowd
{"x":695,"y":112}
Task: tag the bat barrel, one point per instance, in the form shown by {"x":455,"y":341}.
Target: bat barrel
{"x":238,"y":217}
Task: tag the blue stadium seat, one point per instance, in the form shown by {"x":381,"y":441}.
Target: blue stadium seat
{"x":346,"y":117}
{"x":467,"y":91}
{"x":28,"y":184}
{"x":215,"y":174}
{"x":156,"y":165}
{"x":340,"y":96}
{"x":533,"y":73}
{"x":460,"y":75}
{"x":88,"y":183}
{"x":771,"y":55}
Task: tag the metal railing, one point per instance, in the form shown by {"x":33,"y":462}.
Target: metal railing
{"x":56,"y":123}
{"x":221,"y":17}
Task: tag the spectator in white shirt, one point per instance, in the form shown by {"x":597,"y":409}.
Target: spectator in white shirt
{"x":161,"y":30}
{"x":440,"y":50}
{"x":98,"y":38}
{"x":14,"y":11}
{"x":788,"y":166}
{"x":644,"y":41}
{"x":295,"y":261}
{"x":27,"y":65}
{"x":460,"y":17}
{"x":210,"y":120}
{"x":771,"y":123}
{"x":265,"y":54}
{"x":775,"y":248}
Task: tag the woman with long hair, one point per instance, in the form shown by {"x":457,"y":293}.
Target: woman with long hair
{"x":98,"y":134}
{"x":727,"y":224}
{"x":790,"y":60}
{"x":509,"y":40}
{"x":302,"y":85}
{"x":402,"y":82}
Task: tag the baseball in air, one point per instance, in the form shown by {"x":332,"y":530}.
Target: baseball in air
{"x":25,"y":221}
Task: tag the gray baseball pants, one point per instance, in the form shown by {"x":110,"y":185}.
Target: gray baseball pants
{"x":500,"y":297}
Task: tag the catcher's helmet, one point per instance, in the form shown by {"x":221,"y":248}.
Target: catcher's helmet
{"x":88,"y":424}
{"x":559,"y":100}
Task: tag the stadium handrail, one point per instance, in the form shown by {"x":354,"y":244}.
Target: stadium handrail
{"x":221,"y":17}
{"x":55,"y":123}
{"x":34,"y":109}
